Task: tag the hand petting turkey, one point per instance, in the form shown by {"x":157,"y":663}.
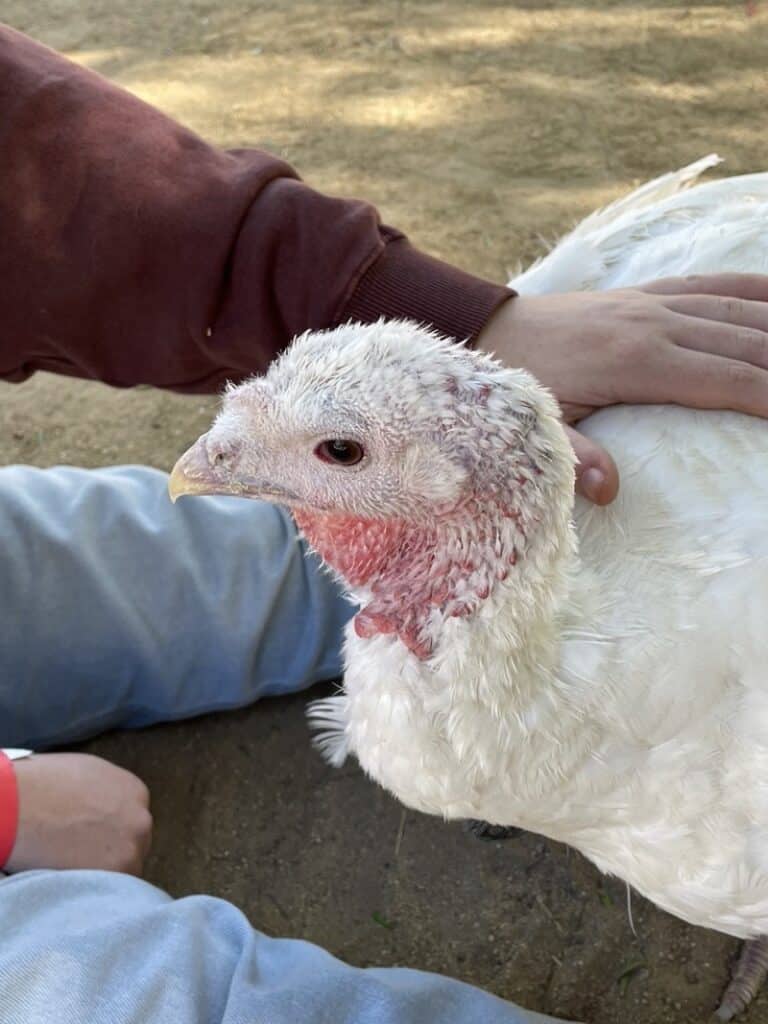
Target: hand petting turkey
{"x":699,"y":339}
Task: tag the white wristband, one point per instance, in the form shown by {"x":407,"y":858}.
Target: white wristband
{"x":16,"y":753}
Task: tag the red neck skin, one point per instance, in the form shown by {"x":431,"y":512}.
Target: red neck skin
{"x":414,"y":571}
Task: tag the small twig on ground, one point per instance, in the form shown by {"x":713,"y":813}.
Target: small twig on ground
{"x":400,"y":832}
{"x":549,"y":914}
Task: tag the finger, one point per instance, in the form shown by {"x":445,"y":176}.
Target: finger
{"x":146,"y":837}
{"x":597,"y":478}
{"x":739,"y":286}
{"x":704,"y":381}
{"x":742,"y":344}
{"x":721,"y":309}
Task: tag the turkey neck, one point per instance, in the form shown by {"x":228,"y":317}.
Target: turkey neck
{"x":485,"y":566}
{"x":501,"y":667}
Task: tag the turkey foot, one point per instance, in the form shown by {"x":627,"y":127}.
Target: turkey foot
{"x":748,"y":975}
{"x":490,"y":833}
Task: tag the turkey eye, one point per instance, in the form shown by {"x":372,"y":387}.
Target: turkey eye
{"x":343,"y":453}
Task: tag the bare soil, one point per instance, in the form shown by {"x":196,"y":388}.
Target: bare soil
{"x":481,"y":128}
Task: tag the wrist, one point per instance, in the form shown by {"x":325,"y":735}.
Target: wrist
{"x":497,"y":335}
{"x":9,"y":801}
{"x":9,"y":808}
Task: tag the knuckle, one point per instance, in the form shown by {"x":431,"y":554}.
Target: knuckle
{"x":693,"y":282}
{"x":732,"y":309}
{"x":149,"y":824}
{"x":140,"y":792}
{"x":638,"y":346}
{"x":143,"y":823}
{"x":637,"y":319}
{"x":752,"y":344}
{"x":741,"y":376}
{"x":635,"y":310}
{"x":133,"y":855}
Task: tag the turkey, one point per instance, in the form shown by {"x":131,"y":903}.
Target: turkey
{"x":596,"y":675}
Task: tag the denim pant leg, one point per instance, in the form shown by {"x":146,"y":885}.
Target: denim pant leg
{"x":118,"y":608}
{"x":93,"y":947}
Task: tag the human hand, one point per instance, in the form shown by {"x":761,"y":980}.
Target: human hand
{"x":79,"y":811}
{"x":695,"y":341}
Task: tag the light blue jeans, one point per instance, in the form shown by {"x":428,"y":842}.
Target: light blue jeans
{"x":120,"y":609}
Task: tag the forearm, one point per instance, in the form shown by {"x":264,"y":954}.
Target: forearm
{"x":131,"y":610}
{"x":103,"y":947}
{"x":133,"y":252}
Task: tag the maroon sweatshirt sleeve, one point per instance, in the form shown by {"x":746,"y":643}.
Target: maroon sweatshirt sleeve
{"x":133,"y":252}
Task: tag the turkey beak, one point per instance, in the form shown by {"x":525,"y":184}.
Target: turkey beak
{"x":212,"y":466}
{"x":194,"y":473}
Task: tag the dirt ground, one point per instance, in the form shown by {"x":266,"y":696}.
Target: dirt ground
{"x":480,"y":128}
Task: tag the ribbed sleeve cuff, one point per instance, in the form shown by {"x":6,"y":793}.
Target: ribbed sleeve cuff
{"x":404,"y":283}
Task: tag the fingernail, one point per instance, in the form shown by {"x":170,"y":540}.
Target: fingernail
{"x":592,"y":482}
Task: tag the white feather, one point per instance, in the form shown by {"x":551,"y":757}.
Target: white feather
{"x":329,"y":718}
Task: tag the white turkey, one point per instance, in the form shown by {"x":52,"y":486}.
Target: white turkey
{"x":597,"y":675}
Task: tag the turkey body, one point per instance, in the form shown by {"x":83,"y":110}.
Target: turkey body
{"x":630,"y":717}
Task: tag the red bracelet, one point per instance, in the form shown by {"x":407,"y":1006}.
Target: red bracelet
{"x":9,"y":808}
